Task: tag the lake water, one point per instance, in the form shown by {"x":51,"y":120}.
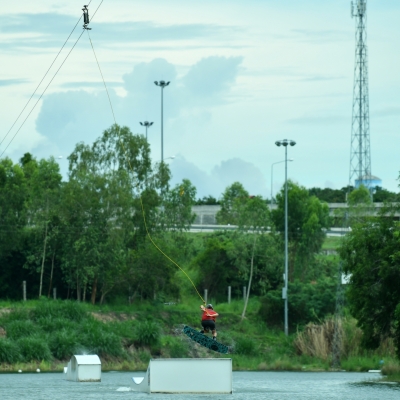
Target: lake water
{"x":246,"y":386}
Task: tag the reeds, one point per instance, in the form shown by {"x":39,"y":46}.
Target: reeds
{"x":316,"y":340}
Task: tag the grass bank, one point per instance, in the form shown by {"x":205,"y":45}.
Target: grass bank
{"x":44,"y":334}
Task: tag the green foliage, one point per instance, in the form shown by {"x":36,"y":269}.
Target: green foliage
{"x":360,"y":196}
{"x":381,"y":195}
{"x":370,"y":254}
{"x":51,"y":324}
{"x":147,"y":333}
{"x":233,"y":200}
{"x":102,"y":343}
{"x":20,"y":329}
{"x":308,"y":218}
{"x":207,"y":200}
{"x":64,"y":343}
{"x":330,"y":195}
{"x":34,"y":348}
{"x":70,"y":310}
{"x":174,"y":347}
{"x":177,"y":212}
{"x":307,"y":303}
{"x":97,"y":338}
{"x":152,"y":273}
{"x":9,"y":352}
{"x":218,"y":270}
{"x":16,"y":314}
{"x":245,"y":346}
{"x":397,"y":329}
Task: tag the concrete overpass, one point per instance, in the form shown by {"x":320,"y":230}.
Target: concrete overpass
{"x":206,"y":217}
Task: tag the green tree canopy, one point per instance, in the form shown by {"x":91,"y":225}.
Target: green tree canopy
{"x":233,"y":200}
{"x":308,"y":218}
{"x":371,"y":255}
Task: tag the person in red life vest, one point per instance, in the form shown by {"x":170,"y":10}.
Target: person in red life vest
{"x":208,"y":320}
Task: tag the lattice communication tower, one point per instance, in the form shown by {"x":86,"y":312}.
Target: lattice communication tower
{"x":360,"y":156}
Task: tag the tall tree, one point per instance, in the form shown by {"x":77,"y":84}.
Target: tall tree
{"x":371,"y":256}
{"x":234,"y":198}
{"x":13,"y":193}
{"x":253,"y":219}
{"x":111,"y":185}
{"x":307,"y":220}
{"x":177,"y":206}
{"x":44,"y":185}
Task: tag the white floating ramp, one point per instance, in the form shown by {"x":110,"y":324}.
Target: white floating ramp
{"x":186,"y":375}
{"x":85,"y":368}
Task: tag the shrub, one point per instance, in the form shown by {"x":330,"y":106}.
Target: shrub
{"x":67,"y":309}
{"x":245,"y":346}
{"x":97,"y":339}
{"x":50,"y":324}
{"x":64,"y":344}
{"x":17,"y":314}
{"x":175,"y":346}
{"x":309,"y":302}
{"x":19,"y":329}
{"x":147,"y":333}
{"x":34,"y":348}
{"x":9,"y":352}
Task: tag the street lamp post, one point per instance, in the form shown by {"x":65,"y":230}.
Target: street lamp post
{"x":146,"y":124}
{"x":285,"y":143}
{"x":162,"y":85}
{"x":272,"y":175}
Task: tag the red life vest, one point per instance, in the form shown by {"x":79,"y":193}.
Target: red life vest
{"x":212,"y":315}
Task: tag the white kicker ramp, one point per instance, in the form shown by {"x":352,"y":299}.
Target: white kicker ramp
{"x":186,"y":375}
{"x":83,"y":368}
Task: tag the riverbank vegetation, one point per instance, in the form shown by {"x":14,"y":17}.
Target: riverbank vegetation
{"x":44,"y":334}
{"x":112,"y":243}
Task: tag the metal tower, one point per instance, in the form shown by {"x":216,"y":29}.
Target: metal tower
{"x":360,"y":156}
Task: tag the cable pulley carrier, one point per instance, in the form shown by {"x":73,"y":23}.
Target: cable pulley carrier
{"x":86,"y":18}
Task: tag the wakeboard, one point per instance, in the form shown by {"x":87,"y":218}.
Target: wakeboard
{"x":204,"y":340}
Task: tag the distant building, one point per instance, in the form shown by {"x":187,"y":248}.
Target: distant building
{"x":369,"y":181}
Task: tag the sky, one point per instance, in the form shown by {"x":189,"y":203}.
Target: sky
{"x":243,"y":75}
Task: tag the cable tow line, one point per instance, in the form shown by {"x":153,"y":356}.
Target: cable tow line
{"x":130,"y":166}
{"x":44,"y":91}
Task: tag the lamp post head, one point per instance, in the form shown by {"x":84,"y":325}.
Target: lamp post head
{"x":147,"y":124}
{"x":285,"y":142}
{"x":162,"y":84}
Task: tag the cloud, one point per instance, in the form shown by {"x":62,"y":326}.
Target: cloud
{"x":183,"y":169}
{"x":43,"y":23}
{"x":69,"y":117}
{"x":321,"y":36}
{"x":387,"y":112}
{"x":237,"y":170}
{"x":320,"y":120}
{"x":47,"y":29}
{"x":11,"y":82}
{"x":212,"y":75}
{"x":222,"y":176}
{"x":85,"y":84}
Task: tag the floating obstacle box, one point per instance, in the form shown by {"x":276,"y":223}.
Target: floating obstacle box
{"x":186,"y":375}
{"x":86,"y":368}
